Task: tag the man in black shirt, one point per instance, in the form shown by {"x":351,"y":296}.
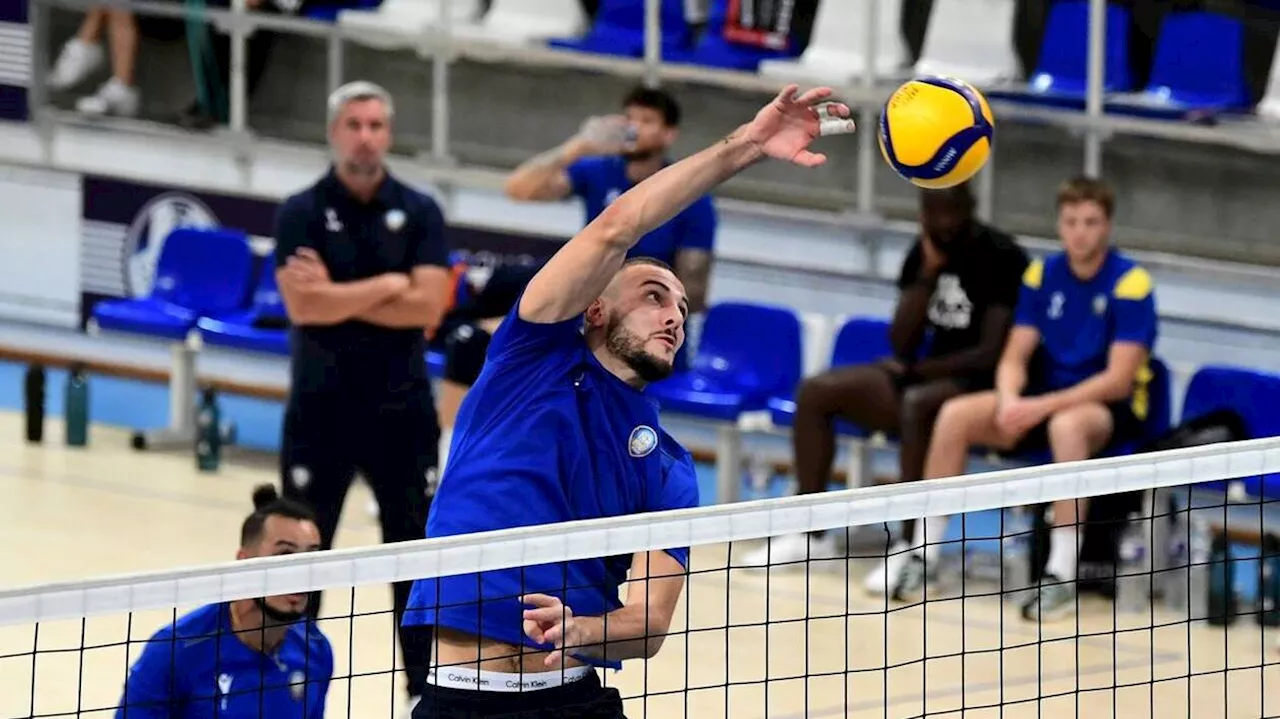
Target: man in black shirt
{"x":960,"y":283}
{"x":363,"y":269}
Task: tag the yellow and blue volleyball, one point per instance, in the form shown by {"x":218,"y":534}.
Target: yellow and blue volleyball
{"x":936,"y":132}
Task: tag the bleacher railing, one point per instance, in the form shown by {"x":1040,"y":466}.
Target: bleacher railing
{"x":866,"y":96}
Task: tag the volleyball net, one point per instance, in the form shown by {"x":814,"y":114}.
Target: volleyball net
{"x":1172,"y":622}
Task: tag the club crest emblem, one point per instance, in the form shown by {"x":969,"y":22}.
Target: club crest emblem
{"x":643,"y":441}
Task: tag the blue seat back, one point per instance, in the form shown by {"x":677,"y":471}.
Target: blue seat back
{"x":629,"y":15}
{"x":266,"y":296}
{"x":1159,"y":399}
{"x":1199,"y":61}
{"x":207,"y":271}
{"x":1063,"y":66}
{"x":1253,"y":395}
{"x":861,"y":340}
{"x":755,"y":348}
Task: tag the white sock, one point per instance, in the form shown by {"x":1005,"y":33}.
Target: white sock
{"x":933,"y":529}
{"x":1064,"y":549}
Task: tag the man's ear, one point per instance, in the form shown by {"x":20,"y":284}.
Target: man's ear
{"x":595,"y":313}
{"x":241,"y":553}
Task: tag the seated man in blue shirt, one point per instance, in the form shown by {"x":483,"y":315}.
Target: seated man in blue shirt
{"x":557,"y":428}
{"x":248,"y":659}
{"x":612,"y":154}
{"x":1073,"y":376}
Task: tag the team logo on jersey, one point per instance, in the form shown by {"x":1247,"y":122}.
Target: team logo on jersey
{"x":1056,"y":301}
{"x":224,"y":688}
{"x":1100,"y":304}
{"x":395,"y":220}
{"x":643,"y":441}
{"x":297,"y":685}
{"x":331,"y":221}
{"x":950,"y":306}
{"x":300,"y":476}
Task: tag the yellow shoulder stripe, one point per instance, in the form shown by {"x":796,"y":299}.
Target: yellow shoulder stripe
{"x":1034,"y":274}
{"x":1133,"y":285}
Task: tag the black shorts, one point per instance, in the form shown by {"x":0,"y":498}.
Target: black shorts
{"x":967,"y":383}
{"x":582,"y":699}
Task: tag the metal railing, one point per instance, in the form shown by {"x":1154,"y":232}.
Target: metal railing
{"x":866,"y":96}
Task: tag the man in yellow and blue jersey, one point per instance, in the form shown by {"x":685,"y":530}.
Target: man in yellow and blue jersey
{"x":1073,"y":377}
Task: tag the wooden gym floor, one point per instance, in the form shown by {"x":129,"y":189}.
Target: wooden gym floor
{"x":69,"y":514}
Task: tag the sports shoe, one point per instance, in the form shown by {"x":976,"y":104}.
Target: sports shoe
{"x":1052,"y":600}
{"x":909,"y":580}
{"x":792,"y":549}
{"x":877,"y":580}
{"x":113,"y":98}
{"x":77,"y":61}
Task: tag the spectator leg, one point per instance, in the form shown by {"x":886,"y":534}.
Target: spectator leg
{"x":1075,"y":434}
{"x":920,"y":406}
{"x":864,"y":395}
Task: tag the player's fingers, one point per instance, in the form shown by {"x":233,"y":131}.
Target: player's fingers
{"x":533,"y":630}
{"x":554,"y":635}
{"x":307,"y":253}
{"x":813,"y":96}
{"x":809,"y":159}
{"x":553,"y":659}
{"x":544,"y":615}
{"x":539,"y":600}
{"x":787,"y":93}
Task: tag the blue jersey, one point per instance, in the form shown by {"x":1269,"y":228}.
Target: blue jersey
{"x":1078,"y":320}
{"x":196,"y":668}
{"x":600,"y":180}
{"x":547,"y":435}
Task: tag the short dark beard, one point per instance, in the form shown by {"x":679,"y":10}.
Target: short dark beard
{"x":272,"y":616}
{"x":629,"y":348}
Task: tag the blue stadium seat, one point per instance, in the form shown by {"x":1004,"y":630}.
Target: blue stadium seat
{"x":1198,"y":66}
{"x":619,"y":29}
{"x":860,"y":340}
{"x":747,"y":354}
{"x":1062,"y":72}
{"x":200,"y":273}
{"x":329,"y":12}
{"x":1253,"y":395}
{"x":261,"y":327}
{"x":716,"y":50}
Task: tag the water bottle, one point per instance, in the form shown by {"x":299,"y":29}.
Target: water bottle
{"x":208,"y":432}
{"x":1268,"y":599}
{"x":1133,"y":573}
{"x":1175,"y":586}
{"x":33,"y":385}
{"x":1221,"y":600}
{"x":76,"y":411}
{"x":1199,"y":551}
{"x":1015,"y":546}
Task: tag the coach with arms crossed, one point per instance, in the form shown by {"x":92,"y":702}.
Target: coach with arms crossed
{"x":363,"y":269}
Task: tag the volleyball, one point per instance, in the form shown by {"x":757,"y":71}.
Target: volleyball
{"x":936,"y":132}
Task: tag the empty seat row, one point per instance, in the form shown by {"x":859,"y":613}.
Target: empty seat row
{"x":1198,"y":61}
{"x":209,"y":285}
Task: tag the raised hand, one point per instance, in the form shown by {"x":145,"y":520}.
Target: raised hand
{"x":785,"y":127}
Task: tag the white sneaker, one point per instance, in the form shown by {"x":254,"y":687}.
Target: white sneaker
{"x":877,"y":580}
{"x":792,"y":549}
{"x":77,"y":61}
{"x":113,"y":98}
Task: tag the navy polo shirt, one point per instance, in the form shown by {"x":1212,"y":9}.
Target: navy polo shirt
{"x":398,"y":230}
{"x":601,"y":180}
{"x":197,"y":668}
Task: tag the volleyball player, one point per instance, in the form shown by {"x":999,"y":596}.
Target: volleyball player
{"x":247,"y":659}
{"x":557,"y":428}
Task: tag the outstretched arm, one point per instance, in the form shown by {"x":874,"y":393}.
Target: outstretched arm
{"x":580,"y":271}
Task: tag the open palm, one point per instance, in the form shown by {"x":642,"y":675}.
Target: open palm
{"x":785,"y":127}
